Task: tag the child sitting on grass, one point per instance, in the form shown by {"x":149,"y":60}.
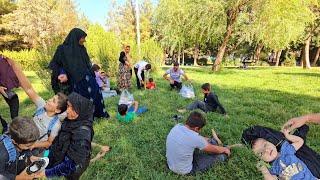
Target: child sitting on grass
{"x":210,"y":102}
{"x":151,"y":84}
{"x":126,"y":114}
{"x":284,"y":164}
{"x":103,"y":81}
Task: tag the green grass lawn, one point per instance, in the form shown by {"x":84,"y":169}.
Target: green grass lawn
{"x":261,"y":96}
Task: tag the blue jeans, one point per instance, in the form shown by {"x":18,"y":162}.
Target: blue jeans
{"x":203,"y":161}
{"x":140,"y":110}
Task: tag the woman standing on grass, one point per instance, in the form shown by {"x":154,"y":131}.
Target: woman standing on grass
{"x":125,"y":71}
{"x":71,"y":65}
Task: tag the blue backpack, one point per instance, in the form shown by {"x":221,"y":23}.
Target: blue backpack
{"x":12,"y":152}
{"x":53,"y":121}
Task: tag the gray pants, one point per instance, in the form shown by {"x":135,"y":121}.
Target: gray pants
{"x":202,"y":161}
{"x":198,"y":105}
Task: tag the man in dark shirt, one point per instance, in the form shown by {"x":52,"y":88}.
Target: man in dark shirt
{"x":14,"y":147}
{"x":209,"y":104}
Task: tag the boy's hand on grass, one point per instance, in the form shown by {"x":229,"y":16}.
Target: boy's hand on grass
{"x":2,"y":90}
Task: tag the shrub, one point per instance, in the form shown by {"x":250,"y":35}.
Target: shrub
{"x":26,"y":58}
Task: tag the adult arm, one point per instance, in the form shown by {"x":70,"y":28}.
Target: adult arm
{"x":300,"y":121}
{"x":185,"y":77}
{"x":24,"y":82}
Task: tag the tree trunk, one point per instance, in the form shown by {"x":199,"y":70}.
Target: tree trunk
{"x":306,"y":58}
{"x":196,"y":55}
{"x":316,"y":58}
{"x":182,"y":56}
{"x":232,"y":15}
{"x":258,"y":52}
{"x":278,"y":54}
{"x":179,"y":54}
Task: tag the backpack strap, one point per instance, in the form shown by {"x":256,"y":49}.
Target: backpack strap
{"x":39,"y":111}
{"x":53,"y":121}
{"x":7,"y":141}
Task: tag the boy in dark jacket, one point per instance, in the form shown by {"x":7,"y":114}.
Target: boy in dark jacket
{"x":210,"y":102}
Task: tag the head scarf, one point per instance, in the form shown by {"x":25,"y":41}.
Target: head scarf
{"x":72,"y":56}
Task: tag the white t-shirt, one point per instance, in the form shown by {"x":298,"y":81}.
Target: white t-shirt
{"x":141,"y":67}
{"x":175,"y":75}
{"x":43,"y":120}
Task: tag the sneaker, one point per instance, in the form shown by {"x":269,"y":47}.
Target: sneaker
{"x":176,"y":117}
{"x":181,"y":110}
{"x":37,"y":166}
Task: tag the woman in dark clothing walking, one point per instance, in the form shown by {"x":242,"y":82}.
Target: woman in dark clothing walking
{"x":70,"y":152}
{"x":71,"y":71}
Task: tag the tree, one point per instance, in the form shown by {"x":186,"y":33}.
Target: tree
{"x":41,"y":21}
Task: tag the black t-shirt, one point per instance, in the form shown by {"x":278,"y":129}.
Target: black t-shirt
{"x":11,"y":170}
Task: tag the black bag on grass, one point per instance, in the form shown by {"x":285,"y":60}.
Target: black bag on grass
{"x":305,"y":153}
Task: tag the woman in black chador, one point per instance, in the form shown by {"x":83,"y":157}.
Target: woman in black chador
{"x":71,"y":71}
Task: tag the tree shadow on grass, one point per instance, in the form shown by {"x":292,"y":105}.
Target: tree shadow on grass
{"x":146,"y":136}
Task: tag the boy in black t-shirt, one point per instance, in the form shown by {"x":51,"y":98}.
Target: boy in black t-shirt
{"x":210,"y":102}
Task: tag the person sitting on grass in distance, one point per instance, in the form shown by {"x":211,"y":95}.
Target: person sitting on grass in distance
{"x":175,"y":74}
{"x":14,"y":148}
{"x":284,"y":164}
{"x":126,"y":114}
{"x":183,"y":145}
{"x":151,"y":84}
{"x":48,"y":115}
{"x":210,"y":102}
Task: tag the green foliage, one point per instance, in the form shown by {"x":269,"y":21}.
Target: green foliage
{"x":290,"y":60}
{"x":26,"y":58}
{"x":280,"y":22}
{"x":104,"y":47}
{"x":260,"y":96}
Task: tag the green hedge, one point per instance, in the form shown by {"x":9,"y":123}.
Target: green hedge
{"x":28,"y":59}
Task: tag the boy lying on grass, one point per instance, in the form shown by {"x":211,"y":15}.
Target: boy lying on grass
{"x":126,"y":114}
{"x":284,"y":164}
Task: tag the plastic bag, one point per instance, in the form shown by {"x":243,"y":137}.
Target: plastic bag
{"x":126,"y":98}
{"x":187,"y":91}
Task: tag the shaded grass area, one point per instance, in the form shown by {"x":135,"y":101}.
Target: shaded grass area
{"x":261,"y":96}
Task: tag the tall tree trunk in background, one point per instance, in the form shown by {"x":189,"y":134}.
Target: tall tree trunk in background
{"x":196,"y":55}
{"x":179,"y":53}
{"x":136,"y":13}
{"x":316,"y":58}
{"x":306,"y":57}
{"x":258,"y":52}
{"x":278,"y":54}
{"x":183,"y":56}
{"x":232,"y":15}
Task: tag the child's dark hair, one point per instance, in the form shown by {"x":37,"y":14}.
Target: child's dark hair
{"x":62,"y":102}
{"x":150,"y":79}
{"x":206,"y":87}
{"x":196,"y":119}
{"x":175,"y":64}
{"x":95,"y":67}
{"x":23,"y":130}
{"x":148,"y":66}
{"x":122,"y":109}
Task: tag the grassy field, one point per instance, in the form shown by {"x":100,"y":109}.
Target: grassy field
{"x":258,"y":96}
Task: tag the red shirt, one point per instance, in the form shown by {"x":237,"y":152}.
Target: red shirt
{"x":151,"y":85}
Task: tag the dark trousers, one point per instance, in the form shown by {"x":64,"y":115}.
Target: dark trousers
{"x":139,"y":85}
{"x":198,"y":105}
{"x":76,"y":175}
{"x":203,"y":161}
{"x":176,"y":84}
{"x":13,"y":105}
{"x":14,"y":110}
